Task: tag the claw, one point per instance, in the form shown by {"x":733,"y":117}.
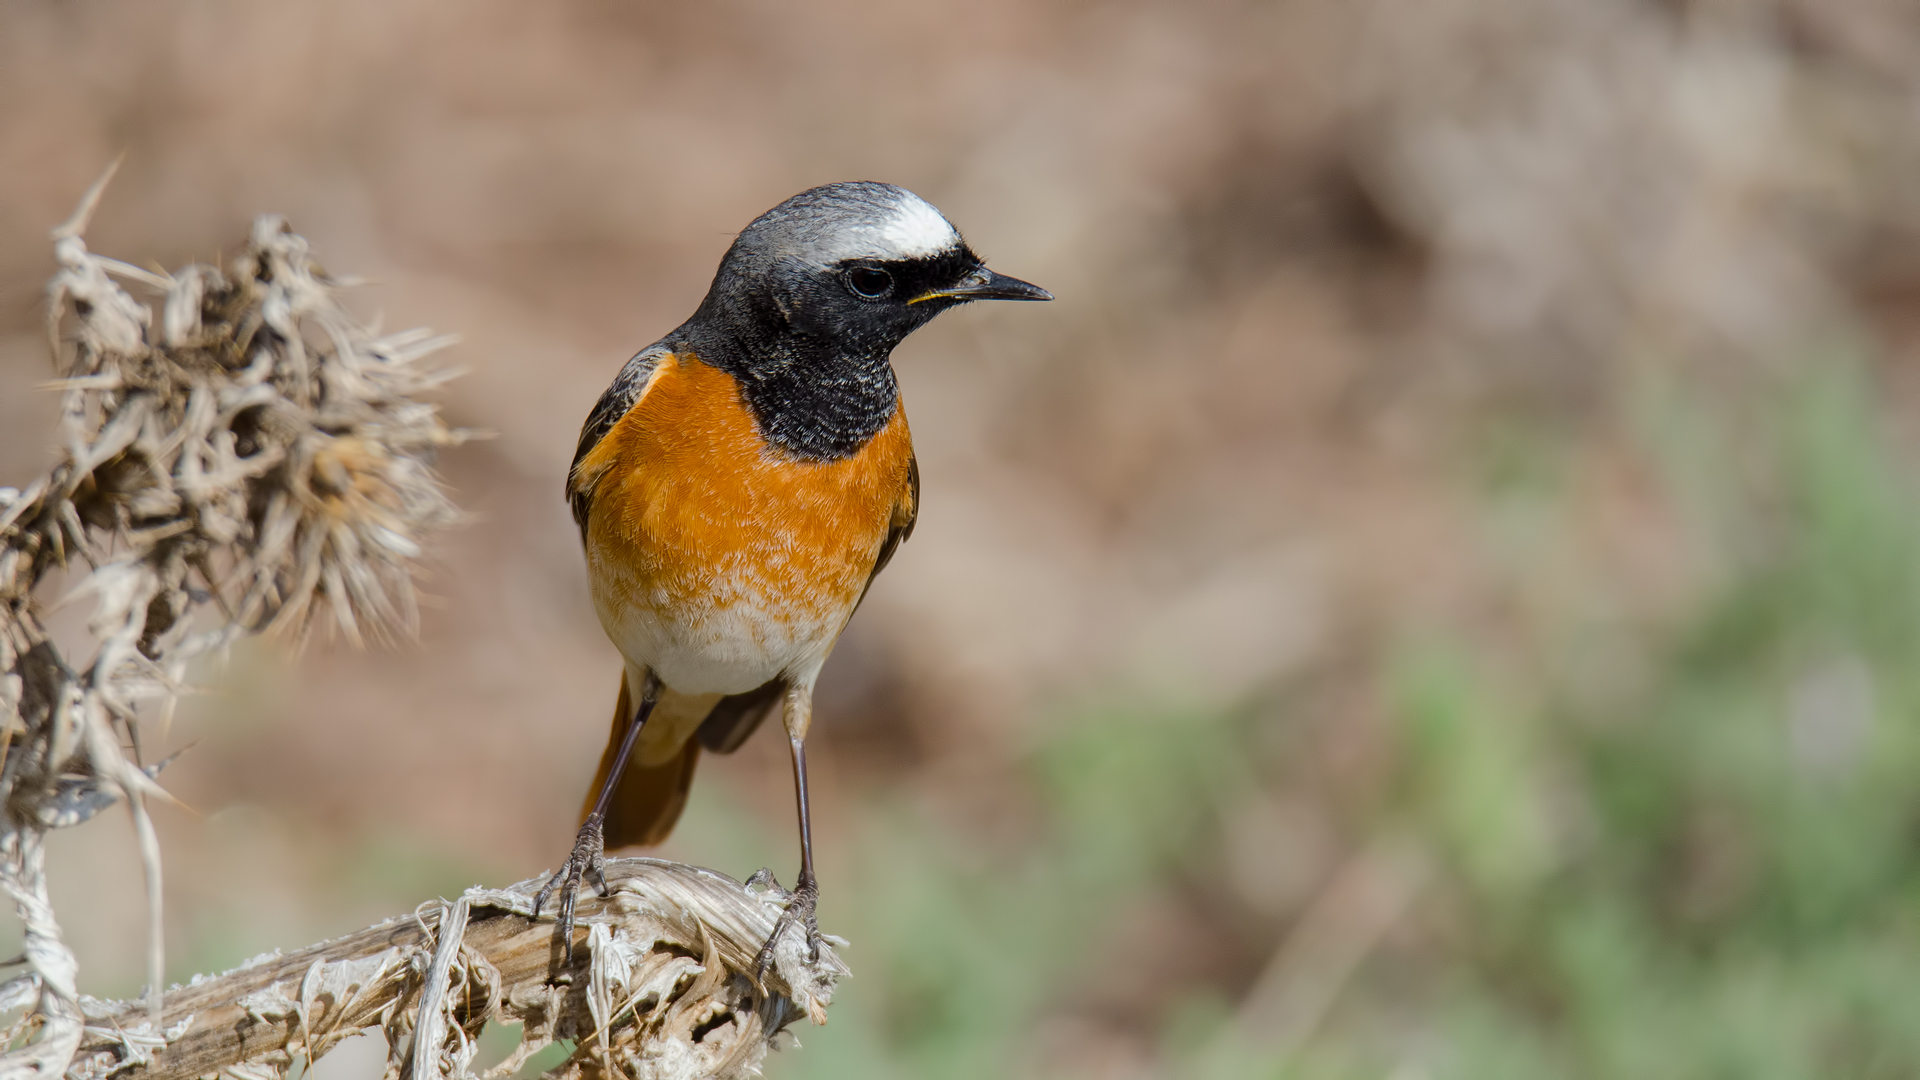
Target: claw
{"x":802,"y":905}
{"x":589,"y":858}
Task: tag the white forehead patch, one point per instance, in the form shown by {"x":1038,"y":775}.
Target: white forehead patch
{"x":916,"y":230}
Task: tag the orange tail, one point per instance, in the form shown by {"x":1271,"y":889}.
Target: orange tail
{"x":650,"y":797}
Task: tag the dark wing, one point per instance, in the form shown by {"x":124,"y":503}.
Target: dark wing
{"x":737,"y":715}
{"x":626,"y":389}
{"x":904,"y":515}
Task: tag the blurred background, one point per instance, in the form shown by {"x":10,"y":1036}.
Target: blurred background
{"x":1437,"y":596}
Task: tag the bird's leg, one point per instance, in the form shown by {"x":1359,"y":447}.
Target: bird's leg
{"x":804,"y":899}
{"x":589,"y":858}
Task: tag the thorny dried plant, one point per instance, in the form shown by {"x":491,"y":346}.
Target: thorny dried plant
{"x":666,"y":988}
{"x":256,"y":461}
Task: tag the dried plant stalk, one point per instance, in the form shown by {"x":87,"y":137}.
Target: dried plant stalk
{"x":258,"y":462}
{"x":663,"y":989}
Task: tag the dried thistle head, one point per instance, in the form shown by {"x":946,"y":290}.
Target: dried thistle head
{"x":259,"y":464}
{"x":266,"y":440}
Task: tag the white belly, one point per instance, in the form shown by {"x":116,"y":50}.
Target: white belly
{"x":730,"y":650}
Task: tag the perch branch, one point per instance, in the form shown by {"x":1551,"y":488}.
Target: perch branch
{"x":661,"y":988}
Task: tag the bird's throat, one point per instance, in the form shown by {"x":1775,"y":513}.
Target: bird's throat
{"x":810,"y":399}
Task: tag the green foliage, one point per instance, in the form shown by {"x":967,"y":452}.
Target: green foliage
{"x":1470,"y":773}
{"x":1724,"y":881}
{"x":1710,"y":871}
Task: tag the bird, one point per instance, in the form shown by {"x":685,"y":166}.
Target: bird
{"x":737,"y":489}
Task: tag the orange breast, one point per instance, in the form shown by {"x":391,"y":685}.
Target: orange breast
{"x":699,"y":524}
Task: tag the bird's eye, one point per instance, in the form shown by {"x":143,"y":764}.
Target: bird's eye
{"x":868,"y":282}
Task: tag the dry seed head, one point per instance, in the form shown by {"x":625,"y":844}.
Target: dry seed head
{"x":262,"y":465}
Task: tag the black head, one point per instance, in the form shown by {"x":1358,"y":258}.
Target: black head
{"x":812,"y":298}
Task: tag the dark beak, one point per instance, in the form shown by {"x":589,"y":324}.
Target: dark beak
{"x":984,"y":284}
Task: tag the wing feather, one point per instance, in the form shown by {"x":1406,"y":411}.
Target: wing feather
{"x":619,"y":399}
{"x":905,"y":513}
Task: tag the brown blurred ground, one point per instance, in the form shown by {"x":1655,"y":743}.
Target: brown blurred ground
{"x":1301,"y":250}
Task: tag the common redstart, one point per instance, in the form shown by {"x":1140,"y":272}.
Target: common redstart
{"x":738,"y":488}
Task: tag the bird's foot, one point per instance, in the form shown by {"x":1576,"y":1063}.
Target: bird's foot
{"x":589,"y":860}
{"x":763,"y":881}
{"x":801,"y":905}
